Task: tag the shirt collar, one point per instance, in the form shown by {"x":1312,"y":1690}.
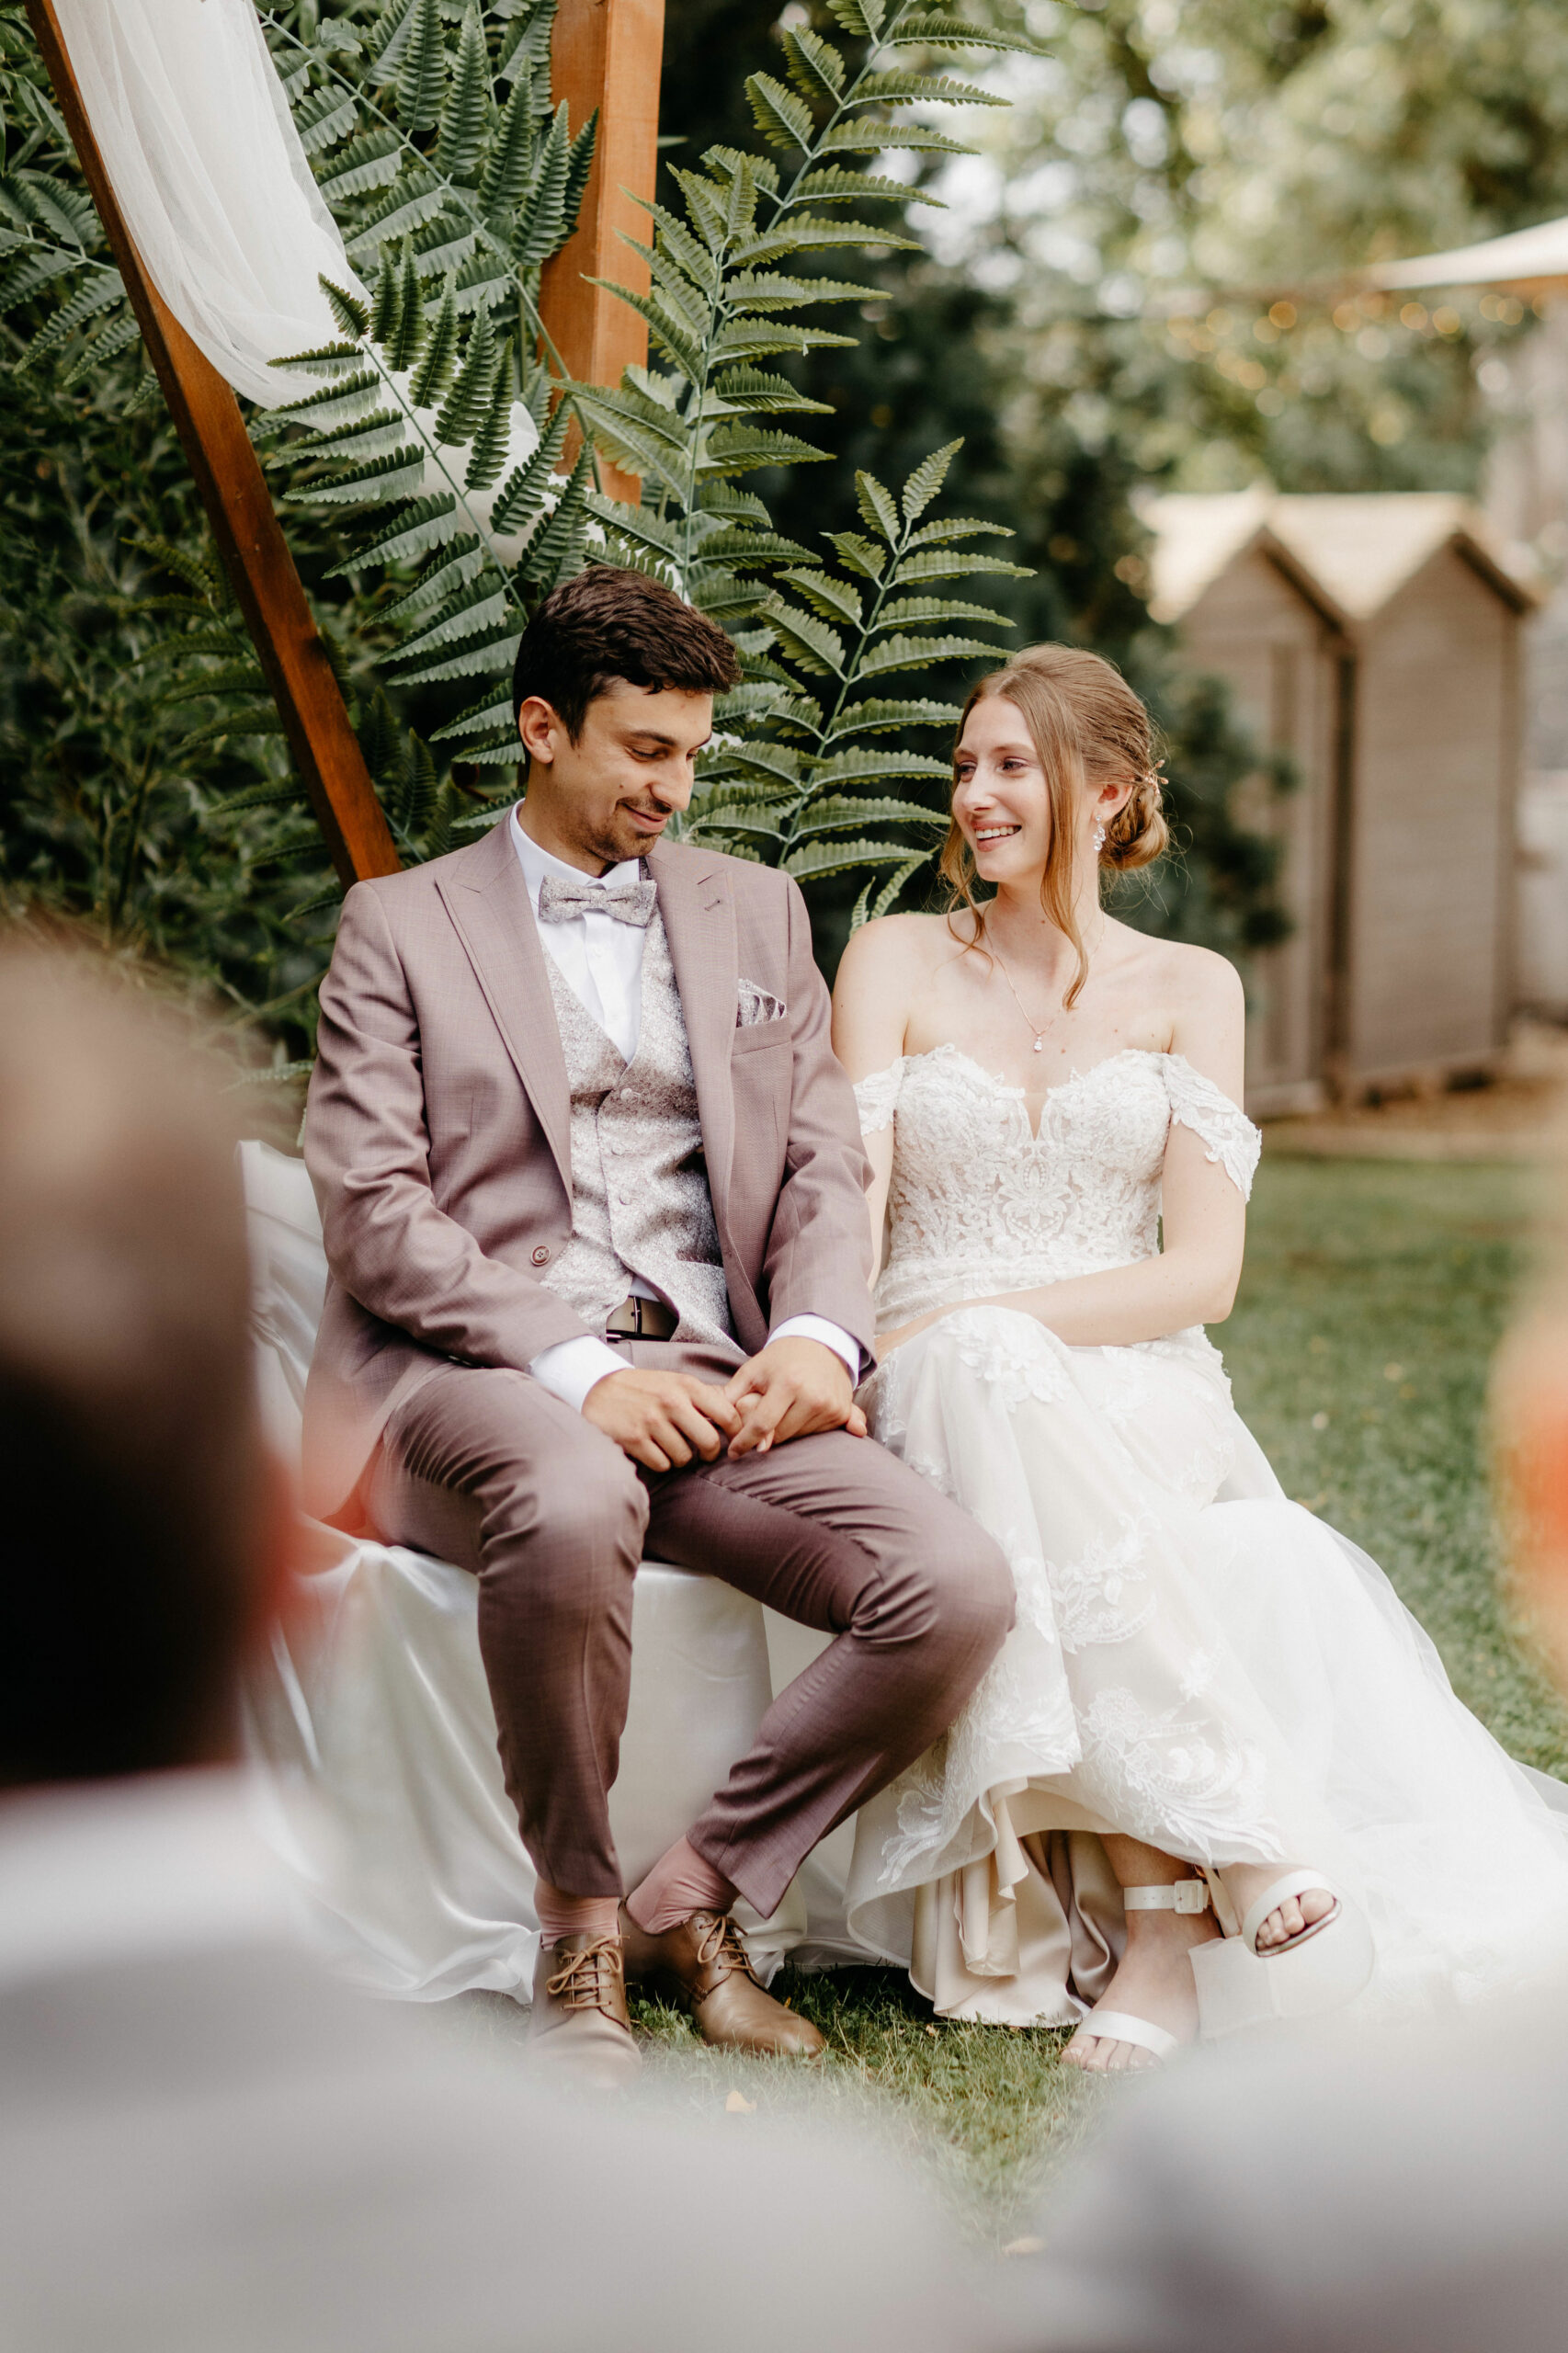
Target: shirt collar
{"x":537,"y":863}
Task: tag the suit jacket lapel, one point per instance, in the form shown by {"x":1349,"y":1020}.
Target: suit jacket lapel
{"x":487,"y":899}
{"x":699,"y":924}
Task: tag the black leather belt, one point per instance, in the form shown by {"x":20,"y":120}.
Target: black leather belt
{"x":642,"y":1319}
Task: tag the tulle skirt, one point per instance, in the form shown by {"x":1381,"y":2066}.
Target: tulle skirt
{"x":1197,"y":1663}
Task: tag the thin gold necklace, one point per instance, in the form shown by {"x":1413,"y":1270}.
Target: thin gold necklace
{"x":1037,"y":1035}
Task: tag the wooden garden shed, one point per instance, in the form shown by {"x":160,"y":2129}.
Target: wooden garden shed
{"x":1375,"y":643}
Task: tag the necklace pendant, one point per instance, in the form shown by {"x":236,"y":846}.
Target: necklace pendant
{"x":1040,"y":1045}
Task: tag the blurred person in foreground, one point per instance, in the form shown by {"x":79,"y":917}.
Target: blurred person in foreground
{"x":203,"y":2142}
{"x":1397,"y":2195}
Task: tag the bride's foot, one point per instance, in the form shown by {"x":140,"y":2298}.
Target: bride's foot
{"x":1244,"y":1882}
{"x":1153,"y":1986}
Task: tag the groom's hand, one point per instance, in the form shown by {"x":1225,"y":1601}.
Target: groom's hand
{"x":662,"y":1419}
{"x":792,"y":1389}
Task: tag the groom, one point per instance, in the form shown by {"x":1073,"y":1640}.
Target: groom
{"x":592,"y":1190}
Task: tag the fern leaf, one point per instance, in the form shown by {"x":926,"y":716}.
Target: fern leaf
{"x":365,"y":437}
{"x":415,"y":200}
{"x":920,"y":612}
{"x":496,"y":654}
{"x":456,"y":566}
{"x":305,"y":845}
{"x":233,"y":805}
{"x":444,"y":244}
{"x":876,"y":716}
{"x":579,"y":164}
{"x":102,"y":288}
{"x":741,"y":448}
{"x":758,"y":388}
{"x":841,"y":858}
{"x":488,"y":453}
{"x":750,"y":551}
{"x":421,"y":73}
{"x":236,"y":678}
{"x":465,"y":404}
{"x":862,"y":19}
{"x":434,"y":373}
{"x":833,"y":185}
{"x":406,"y":344}
{"x":869,"y":137}
{"x":507,"y":754}
{"x":887,"y":897}
{"x":956,"y":32}
{"x":767,"y":291}
{"x":506,"y":171}
{"x":673,"y":334}
{"x":816,"y":68}
{"x":657,"y":535}
{"x":467,"y":109}
{"x":113,"y":336}
{"x":877,"y":509}
{"x":858,"y":554}
{"x":252,"y":725}
{"x":921,"y":90}
{"x":957,"y":526}
{"x":325,"y":117}
{"x":927,"y":480}
{"x":486,"y":279}
{"x":930,"y":563}
{"x":555,"y":553}
{"x":921,"y":653}
{"x":835,"y":599}
{"x":480,"y":716}
{"x":522,"y":494}
{"x":184,"y":566}
{"x":798,"y":232}
{"x":541,"y":223}
{"x":478,"y":609}
{"x":743,"y":339}
{"x":776,"y":766}
{"x":327,"y":358}
{"x":397,"y":474}
{"x":351,"y":314}
{"x":371,"y":161}
{"x":839,"y":810}
{"x":863,"y":766}
{"x":778,"y":114}
{"x":805,"y":640}
{"x":386,"y":311}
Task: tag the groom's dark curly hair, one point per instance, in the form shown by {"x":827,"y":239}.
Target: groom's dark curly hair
{"x":607,"y":624}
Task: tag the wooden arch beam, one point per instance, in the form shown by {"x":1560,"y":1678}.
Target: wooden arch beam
{"x":245,"y":523}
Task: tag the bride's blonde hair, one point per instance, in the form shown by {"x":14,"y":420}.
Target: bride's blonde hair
{"x":1088,"y":728}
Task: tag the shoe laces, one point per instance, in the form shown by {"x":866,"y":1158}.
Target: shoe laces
{"x":579,"y":1983}
{"x":720,"y":1946}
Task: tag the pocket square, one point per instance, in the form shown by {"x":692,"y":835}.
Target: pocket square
{"x":753,"y":1006}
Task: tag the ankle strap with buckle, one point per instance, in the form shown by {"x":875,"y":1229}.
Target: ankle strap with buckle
{"x":1189,"y":1896}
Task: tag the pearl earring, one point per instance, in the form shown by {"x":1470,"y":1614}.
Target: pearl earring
{"x":1100,"y":837}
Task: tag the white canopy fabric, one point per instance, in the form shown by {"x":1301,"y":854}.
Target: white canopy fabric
{"x":205,"y":164}
{"x":1529,"y":257}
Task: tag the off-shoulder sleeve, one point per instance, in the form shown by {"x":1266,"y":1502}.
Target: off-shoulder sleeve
{"x":1228,"y":1136}
{"x":876,"y":1097}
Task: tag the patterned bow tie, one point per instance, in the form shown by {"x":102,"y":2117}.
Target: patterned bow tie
{"x":560,"y":901}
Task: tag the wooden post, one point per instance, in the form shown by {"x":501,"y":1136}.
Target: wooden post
{"x":605,"y":54}
{"x":239,"y":508}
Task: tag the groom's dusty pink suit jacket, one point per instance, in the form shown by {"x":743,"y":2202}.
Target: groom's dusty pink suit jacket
{"x":438,"y":1133}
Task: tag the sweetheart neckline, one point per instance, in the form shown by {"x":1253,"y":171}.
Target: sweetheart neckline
{"x":1020,"y":1093}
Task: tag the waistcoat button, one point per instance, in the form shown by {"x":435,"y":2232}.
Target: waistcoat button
{"x":542,"y":1256}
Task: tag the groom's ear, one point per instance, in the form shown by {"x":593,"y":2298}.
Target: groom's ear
{"x":538,"y":728}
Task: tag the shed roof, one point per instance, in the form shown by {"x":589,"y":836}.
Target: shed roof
{"x":1349,"y":553}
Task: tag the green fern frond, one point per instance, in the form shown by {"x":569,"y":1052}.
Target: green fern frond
{"x":816,"y":68}
{"x":490,"y":654}
{"x":349,"y":312}
{"x":741,"y":448}
{"x":335,"y":404}
{"x":371,"y":161}
{"x":921,"y":653}
{"x":779,"y":115}
{"x":824,"y":857}
{"x":488,"y":453}
{"x":957,"y":526}
{"x":466,"y":113}
{"x":555,"y":553}
{"x":861,"y":20}
{"x":877,"y":716}
{"x":465,"y":406}
{"x":920,"y":89}
{"x":325,"y":117}
{"x":930,"y":563}
{"x":428,"y":523}
{"x":104,"y":288}
{"x":522,"y":494}
{"x":415,"y":198}
{"x":480,"y":717}
{"x":934,"y":31}
{"x":868,"y":138}
{"x":927,"y":480}
{"x":808,"y":641}
{"x":435,"y":368}
{"x":453,"y":568}
{"x":506,"y":171}
{"x":837,"y":812}
{"x":877,"y":509}
{"x":835,"y":599}
{"x":579,"y":164}
{"x":756,"y":388}
{"x":422,"y":68}
{"x":919,"y":612}
{"x":116,"y":334}
{"x":833,"y":185}
{"x":397,"y":474}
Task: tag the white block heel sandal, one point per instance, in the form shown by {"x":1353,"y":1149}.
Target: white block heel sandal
{"x":1322,"y":1969}
{"x":1189,"y":1896}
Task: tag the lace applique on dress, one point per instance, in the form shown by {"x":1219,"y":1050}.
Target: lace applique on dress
{"x":876,"y":1097}
{"x":1228,"y":1137}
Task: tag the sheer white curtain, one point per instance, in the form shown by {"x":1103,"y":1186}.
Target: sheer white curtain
{"x":203,"y":157}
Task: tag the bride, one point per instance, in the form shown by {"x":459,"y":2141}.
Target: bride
{"x":1217,"y":1776}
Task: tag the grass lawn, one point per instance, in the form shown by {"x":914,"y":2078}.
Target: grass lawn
{"x":1374,"y":1295}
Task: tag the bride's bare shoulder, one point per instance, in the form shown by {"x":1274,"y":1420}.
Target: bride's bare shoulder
{"x":1181,"y":971}
{"x":895,"y":949}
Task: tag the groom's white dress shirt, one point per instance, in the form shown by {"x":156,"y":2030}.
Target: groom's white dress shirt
{"x":601,"y":963}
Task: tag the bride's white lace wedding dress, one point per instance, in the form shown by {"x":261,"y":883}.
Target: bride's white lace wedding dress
{"x":1196,"y":1661}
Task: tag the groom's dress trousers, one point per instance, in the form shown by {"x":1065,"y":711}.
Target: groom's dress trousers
{"x":504,"y":1147}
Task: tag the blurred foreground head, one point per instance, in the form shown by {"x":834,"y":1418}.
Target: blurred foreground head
{"x":134,"y":1524}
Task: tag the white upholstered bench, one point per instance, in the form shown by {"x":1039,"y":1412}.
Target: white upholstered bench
{"x":373,"y":1731}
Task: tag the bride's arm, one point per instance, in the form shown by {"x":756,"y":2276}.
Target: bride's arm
{"x":1194,"y":1279}
{"x":870,"y":1008}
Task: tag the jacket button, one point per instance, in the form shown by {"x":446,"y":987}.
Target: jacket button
{"x":542,"y":1256}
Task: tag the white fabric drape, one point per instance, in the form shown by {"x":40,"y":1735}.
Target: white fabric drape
{"x":201,"y":151}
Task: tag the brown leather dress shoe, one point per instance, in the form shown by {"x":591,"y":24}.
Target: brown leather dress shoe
{"x":703,"y":1964}
{"x":579,"y":2029}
